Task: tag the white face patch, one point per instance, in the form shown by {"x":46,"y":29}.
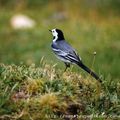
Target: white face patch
{"x":55,"y":34}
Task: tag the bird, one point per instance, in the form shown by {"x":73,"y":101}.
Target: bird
{"x":66,"y":53}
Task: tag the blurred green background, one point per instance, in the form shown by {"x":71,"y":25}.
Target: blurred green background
{"x":89,"y":25}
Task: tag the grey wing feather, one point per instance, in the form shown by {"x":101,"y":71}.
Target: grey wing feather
{"x":64,"y":49}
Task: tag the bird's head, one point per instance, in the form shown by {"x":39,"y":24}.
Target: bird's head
{"x":57,"y":34}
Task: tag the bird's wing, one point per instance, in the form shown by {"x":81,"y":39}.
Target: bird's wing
{"x":63,"y":49}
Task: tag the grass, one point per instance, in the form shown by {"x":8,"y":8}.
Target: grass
{"x":43,"y":92}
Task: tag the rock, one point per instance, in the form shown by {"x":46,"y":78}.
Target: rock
{"x":22,"y":22}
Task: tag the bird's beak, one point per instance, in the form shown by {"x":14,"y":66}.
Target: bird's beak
{"x":50,"y":30}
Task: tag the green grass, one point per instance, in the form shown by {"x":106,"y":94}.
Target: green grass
{"x":30,"y":92}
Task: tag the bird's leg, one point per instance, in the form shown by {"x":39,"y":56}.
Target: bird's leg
{"x":66,"y":66}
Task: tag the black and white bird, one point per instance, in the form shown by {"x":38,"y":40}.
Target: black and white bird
{"x":66,"y":53}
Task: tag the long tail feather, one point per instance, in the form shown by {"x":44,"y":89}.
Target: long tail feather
{"x":89,"y":71}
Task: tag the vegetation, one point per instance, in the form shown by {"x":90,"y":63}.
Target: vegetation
{"x":44,"y":92}
{"x":35,"y":88}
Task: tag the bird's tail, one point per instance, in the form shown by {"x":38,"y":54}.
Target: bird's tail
{"x":89,"y":71}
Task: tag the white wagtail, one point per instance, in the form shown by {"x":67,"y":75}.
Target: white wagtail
{"x":66,"y":53}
